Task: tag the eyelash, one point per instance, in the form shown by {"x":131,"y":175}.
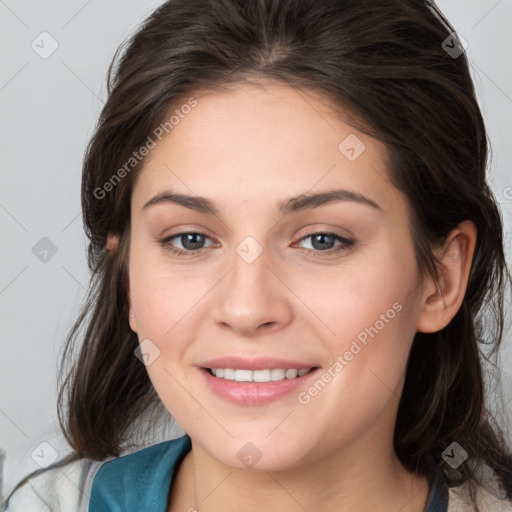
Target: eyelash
{"x":345,"y":243}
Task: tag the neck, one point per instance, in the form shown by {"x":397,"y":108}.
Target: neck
{"x":343,"y":481}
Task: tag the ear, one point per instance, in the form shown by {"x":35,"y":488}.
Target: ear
{"x":131,"y":315}
{"x":442,"y":299}
{"x":112,"y":244}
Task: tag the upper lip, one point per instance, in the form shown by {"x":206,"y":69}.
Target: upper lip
{"x":257,"y":363}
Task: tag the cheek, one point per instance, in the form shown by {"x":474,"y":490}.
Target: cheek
{"x":369,"y":321}
{"x":161,"y":304}
{"x":365,"y":373}
{"x":372,"y":346}
{"x":160,"y":298}
{"x":368,"y":298}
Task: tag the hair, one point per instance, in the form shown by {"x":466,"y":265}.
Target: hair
{"x":384,"y":63}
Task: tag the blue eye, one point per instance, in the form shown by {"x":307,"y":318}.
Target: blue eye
{"x":324,"y":242}
{"x":192,"y":242}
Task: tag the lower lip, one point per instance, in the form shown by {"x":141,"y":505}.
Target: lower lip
{"x":254,"y":393}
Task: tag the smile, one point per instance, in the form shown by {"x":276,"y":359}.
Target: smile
{"x":265,"y":375}
{"x":246,"y":387}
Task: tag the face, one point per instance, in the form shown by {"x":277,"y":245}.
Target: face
{"x":271,"y":278}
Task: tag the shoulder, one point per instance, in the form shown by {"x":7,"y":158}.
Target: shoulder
{"x":148,"y":459}
{"x":142,"y":463}
{"x":459,"y":500}
{"x":59,"y":488}
{"x":139,"y":480}
{"x":130,"y":482}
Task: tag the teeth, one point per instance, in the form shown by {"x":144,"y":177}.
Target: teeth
{"x":275,"y":374}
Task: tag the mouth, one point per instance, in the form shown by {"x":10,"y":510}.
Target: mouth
{"x":248,"y":387}
{"x":263,"y":375}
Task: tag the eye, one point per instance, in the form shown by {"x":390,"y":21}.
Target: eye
{"x":325,"y":243}
{"x":191,"y":242}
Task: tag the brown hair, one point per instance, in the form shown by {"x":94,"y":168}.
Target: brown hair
{"x":384,"y":61}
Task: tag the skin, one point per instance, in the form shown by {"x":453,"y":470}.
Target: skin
{"x":248,"y":150}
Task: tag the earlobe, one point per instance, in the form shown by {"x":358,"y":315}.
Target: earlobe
{"x":131,"y":313}
{"x":112,"y":242}
{"x":442,"y":298}
{"x":131,"y":319}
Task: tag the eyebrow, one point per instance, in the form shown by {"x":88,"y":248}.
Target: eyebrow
{"x":292,"y":204}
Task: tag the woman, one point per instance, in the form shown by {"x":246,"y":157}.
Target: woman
{"x":293,"y":245}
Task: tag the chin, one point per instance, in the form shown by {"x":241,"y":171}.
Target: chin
{"x":258,"y":452}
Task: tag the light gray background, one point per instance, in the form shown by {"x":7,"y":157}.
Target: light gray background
{"x":48,"y":111}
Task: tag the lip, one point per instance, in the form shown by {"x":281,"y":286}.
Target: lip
{"x":257,"y":363}
{"x":256,"y":393}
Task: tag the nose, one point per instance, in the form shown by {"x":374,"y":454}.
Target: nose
{"x":253,"y":297}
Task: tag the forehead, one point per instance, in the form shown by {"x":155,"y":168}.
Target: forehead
{"x":256,"y":142}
